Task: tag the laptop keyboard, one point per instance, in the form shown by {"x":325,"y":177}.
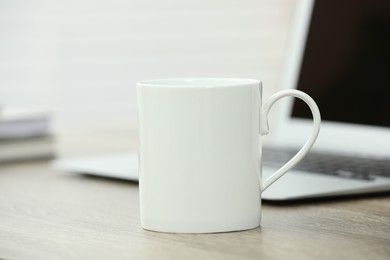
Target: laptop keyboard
{"x":330,"y":164}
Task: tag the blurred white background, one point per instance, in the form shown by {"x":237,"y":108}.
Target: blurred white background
{"x":81,"y":58}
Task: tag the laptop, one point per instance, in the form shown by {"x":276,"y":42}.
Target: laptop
{"x":339,"y":54}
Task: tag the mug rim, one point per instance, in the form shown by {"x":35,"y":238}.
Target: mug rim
{"x":198,"y":82}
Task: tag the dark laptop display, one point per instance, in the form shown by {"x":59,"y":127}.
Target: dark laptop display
{"x":346,"y":62}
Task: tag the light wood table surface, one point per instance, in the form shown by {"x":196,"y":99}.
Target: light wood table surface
{"x":46,"y":214}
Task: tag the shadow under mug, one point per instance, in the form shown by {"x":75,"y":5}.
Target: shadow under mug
{"x":200,"y":153}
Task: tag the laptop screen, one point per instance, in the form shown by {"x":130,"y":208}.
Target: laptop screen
{"x":346,"y":62}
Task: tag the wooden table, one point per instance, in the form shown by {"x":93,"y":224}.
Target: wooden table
{"x":45,"y":214}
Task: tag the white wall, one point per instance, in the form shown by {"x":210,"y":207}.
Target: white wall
{"x":81,"y":58}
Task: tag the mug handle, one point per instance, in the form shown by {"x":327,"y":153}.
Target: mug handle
{"x":264,"y":129}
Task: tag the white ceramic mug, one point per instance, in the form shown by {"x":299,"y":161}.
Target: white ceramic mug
{"x":200,"y":153}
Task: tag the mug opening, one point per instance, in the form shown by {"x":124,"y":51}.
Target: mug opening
{"x":198,"y":82}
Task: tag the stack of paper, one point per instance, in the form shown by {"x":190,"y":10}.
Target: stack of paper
{"x":25,"y":135}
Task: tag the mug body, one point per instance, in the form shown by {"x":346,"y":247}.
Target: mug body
{"x":200,"y":155}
